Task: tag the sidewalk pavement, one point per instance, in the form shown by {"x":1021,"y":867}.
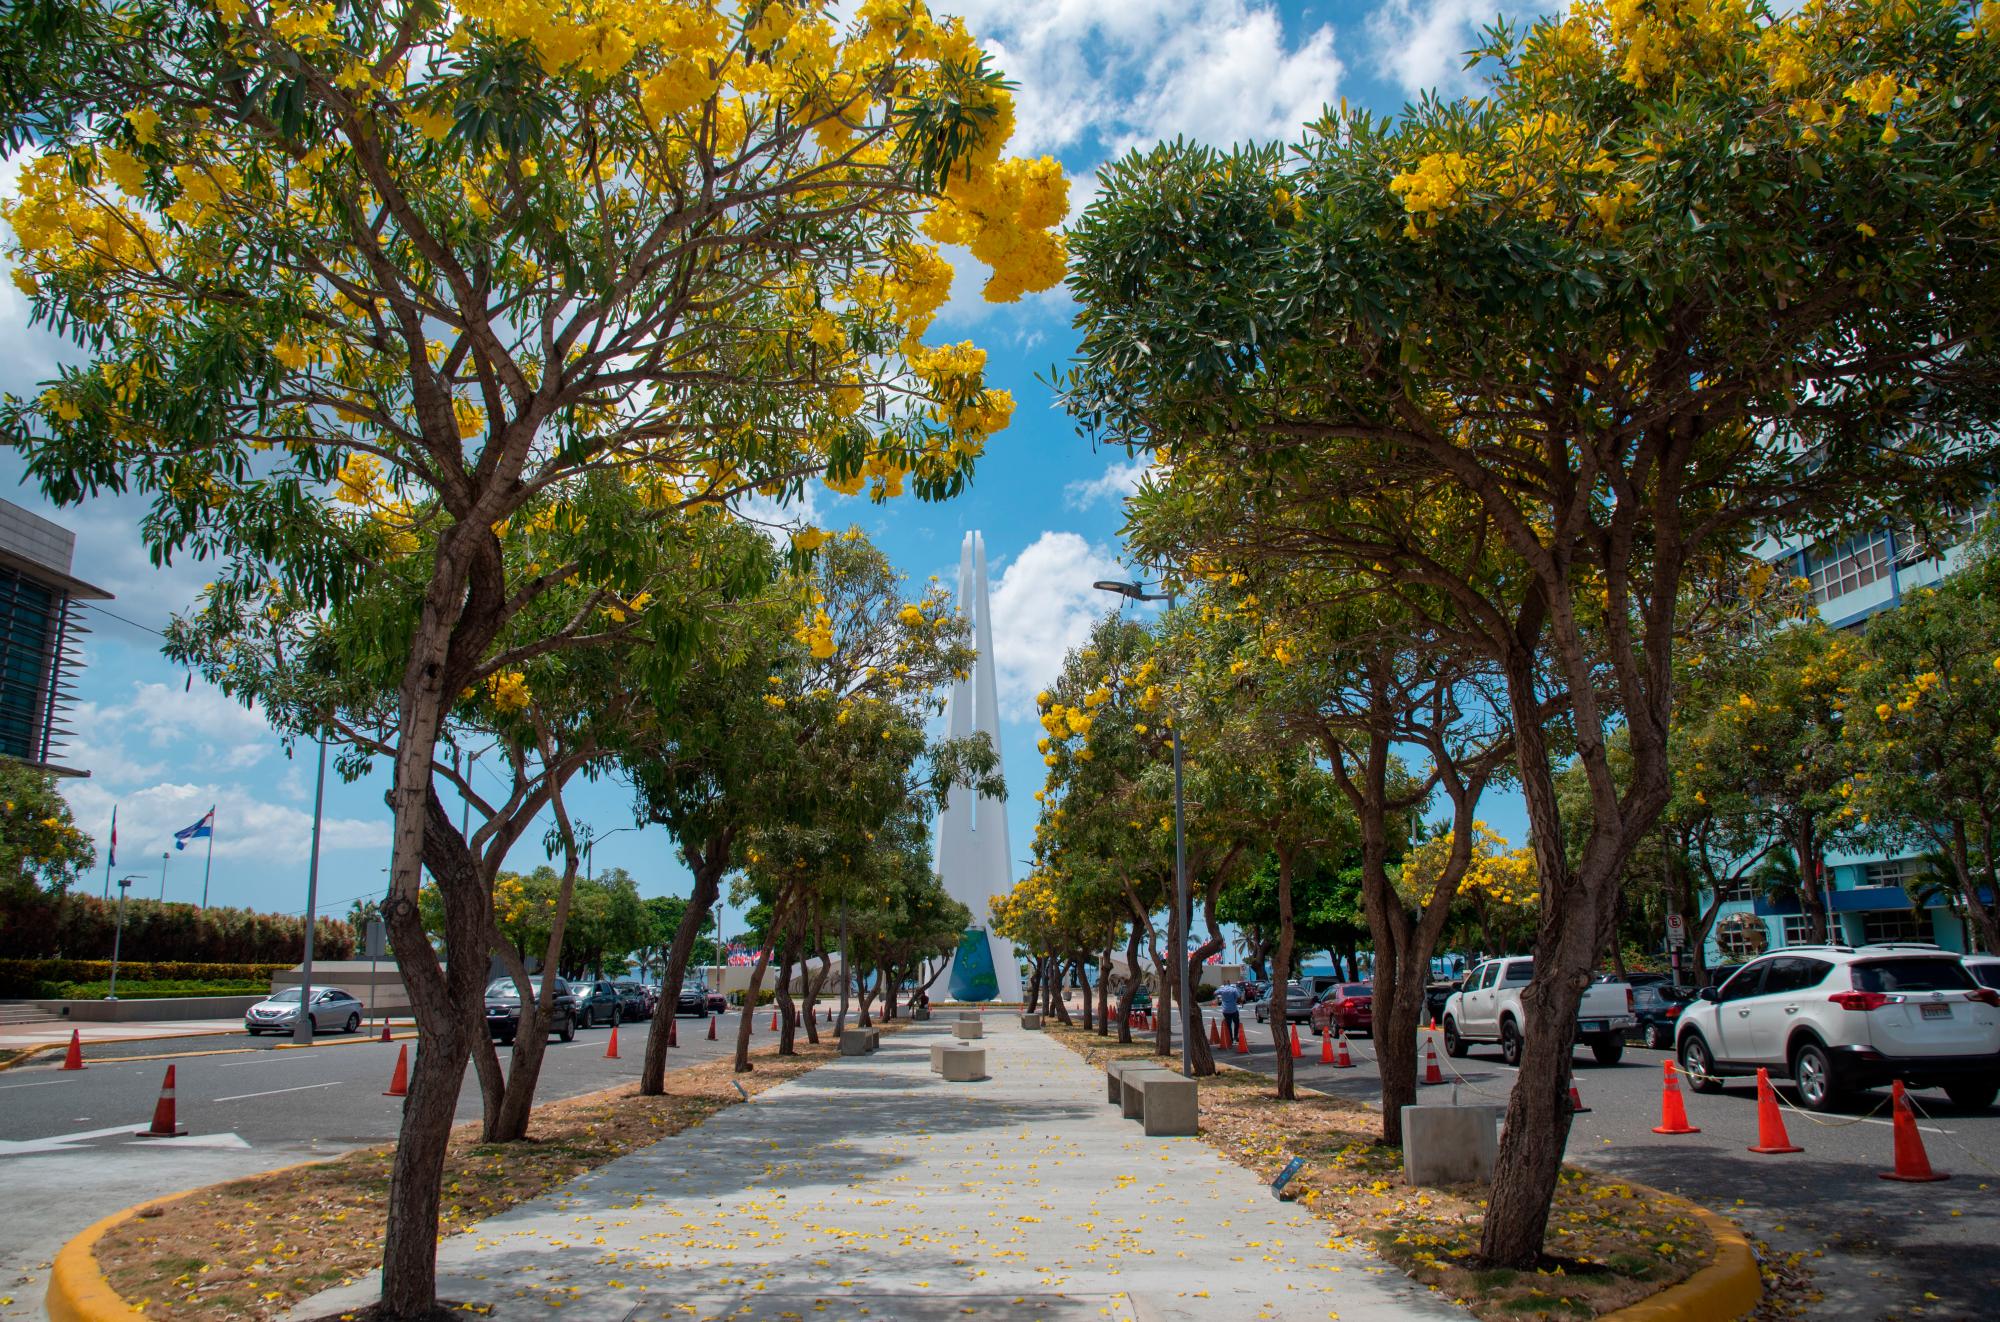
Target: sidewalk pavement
{"x":15,"y":1036}
{"x":871,"y":1188}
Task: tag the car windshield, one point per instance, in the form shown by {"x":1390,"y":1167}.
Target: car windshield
{"x":288,"y":996}
{"x":1936,"y":973}
{"x":1357,"y":989}
{"x":503,"y":988}
{"x":1987,"y":975}
{"x":1521,"y":970}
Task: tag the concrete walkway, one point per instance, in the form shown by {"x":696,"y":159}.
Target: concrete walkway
{"x":871,"y":1188}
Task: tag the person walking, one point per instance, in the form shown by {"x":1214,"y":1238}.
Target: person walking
{"x":1226,"y":1000}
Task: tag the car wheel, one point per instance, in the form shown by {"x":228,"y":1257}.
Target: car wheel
{"x":568,"y":1033}
{"x":1454,"y":1045}
{"x":617,"y":1015}
{"x":1814,"y":1075}
{"x":1971,"y":1095}
{"x":1608,"y":1050}
{"x":353,"y":1023}
{"x":254,"y":1032}
{"x":1510,"y":1042}
{"x":1698,"y":1065}
{"x":1656,"y":1037}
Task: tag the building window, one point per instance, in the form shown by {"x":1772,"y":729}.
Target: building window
{"x":1737,"y":890}
{"x":1839,"y":568}
{"x":1798,"y":930}
{"x":1892,"y":871}
{"x":1894,"y":925}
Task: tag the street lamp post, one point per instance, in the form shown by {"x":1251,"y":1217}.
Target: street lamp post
{"x":118,"y":936}
{"x":590,"y":845}
{"x":1135,"y":592}
{"x":164,"y":856}
{"x":302,"y":1027}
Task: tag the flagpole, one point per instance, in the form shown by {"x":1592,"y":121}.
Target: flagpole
{"x":111,"y":854}
{"x":209,"y":866}
{"x":164,"y":856}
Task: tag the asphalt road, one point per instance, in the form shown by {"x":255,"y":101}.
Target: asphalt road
{"x":1877,"y":1248}
{"x":69,"y":1154}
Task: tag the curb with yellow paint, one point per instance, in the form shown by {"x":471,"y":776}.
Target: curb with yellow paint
{"x":1729,"y":1287}
{"x":78,"y":1290}
{"x":45,"y":1048}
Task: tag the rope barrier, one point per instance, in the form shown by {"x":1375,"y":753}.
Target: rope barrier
{"x":1975,"y":1158}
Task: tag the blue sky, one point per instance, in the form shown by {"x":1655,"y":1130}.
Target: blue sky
{"x":1095,"y":78}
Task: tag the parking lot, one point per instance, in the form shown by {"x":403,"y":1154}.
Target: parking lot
{"x":1876,"y":1248}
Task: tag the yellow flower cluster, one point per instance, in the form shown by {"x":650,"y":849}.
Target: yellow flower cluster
{"x":817,"y":634}
{"x":1004,"y":212}
{"x":509,"y":691}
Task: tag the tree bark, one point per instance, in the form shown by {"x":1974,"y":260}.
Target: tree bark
{"x":707,"y":865}
{"x":1131,"y":988}
{"x":1287,"y":1085}
{"x":1076,"y":973}
{"x":743,"y":1065}
{"x":1104,"y":993}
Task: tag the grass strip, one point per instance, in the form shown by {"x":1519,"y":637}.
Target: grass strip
{"x":255,"y":1247}
{"x":1610,"y":1242}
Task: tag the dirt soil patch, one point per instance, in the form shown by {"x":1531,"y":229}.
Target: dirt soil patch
{"x":256,"y":1247}
{"x":1610,"y":1243}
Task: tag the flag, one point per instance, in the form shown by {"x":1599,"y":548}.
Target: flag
{"x":111,"y":859}
{"x":205,"y":828}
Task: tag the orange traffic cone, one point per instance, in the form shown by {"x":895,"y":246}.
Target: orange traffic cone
{"x":711,"y":1028}
{"x":1296,"y":1052}
{"x":1576,"y":1106}
{"x":1432,"y":1074}
{"x":385,"y":1028}
{"x":611,"y":1047}
{"x":1912,"y":1165}
{"x":1242,"y":1041}
{"x":73,"y":1058}
{"x":399,"y":1082}
{"x":163,"y":1125}
{"x":774,"y":1021}
{"x":1214,"y":1034}
{"x":1344,"y":1061}
{"x":1673,"y":1112}
{"x":1771,"y":1135}
{"x":1326,"y":1048}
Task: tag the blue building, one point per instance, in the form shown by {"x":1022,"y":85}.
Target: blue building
{"x":1851,"y":580}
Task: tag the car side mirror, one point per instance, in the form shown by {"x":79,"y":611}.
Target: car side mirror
{"x":1709,"y":994}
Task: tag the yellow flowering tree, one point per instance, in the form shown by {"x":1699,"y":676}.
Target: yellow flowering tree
{"x":461,"y":258}
{"x":40,"y":845}
{"x":1684,"y":271}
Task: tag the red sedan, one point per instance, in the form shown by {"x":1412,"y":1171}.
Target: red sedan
{"x":1349,"y":1006}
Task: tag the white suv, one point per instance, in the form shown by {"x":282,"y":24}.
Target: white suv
{"x":1840,"y":1018}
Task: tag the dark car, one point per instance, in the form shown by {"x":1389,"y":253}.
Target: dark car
{"x":503,"y":1009}
{"x":1349,"y":1007}
{"x":1436,"y":994}
{"x":1657,"y":1006}
{"x":693,"y":999}
{"x":635,"y":1001}
{"x":598,"y":1005}
{"x":717,"y":1002}
{"x":1298,"y":1005}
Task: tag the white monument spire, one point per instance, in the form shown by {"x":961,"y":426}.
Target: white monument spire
{"x":973,"y":853}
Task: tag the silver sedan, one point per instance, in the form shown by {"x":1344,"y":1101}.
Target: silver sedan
{"x":331,"y":1008}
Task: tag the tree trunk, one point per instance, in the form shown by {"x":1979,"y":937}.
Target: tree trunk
{"x":846,"y":977}
{"x":1287,"y":1085}
{"x":708,"y":865}
{"x":1076,"y":972}
{"x":1981,"y":917}
{"x":1131,"y":986}
{"x":1104,"y":993}
{"x":861,"y":1019}
{"x":1032,"y":1000}
{"x":1057,"y":992}
{"x":531,"y":1038}
{"x":788,"y":1018}
{"x":743,"y":1065}
{"x":813,"y":982}
{"x":1200,"y":1059}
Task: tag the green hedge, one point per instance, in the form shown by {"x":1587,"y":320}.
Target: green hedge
{"x":36,"y":925}
{"x":26,"y":977}
{"x":143,"y":991}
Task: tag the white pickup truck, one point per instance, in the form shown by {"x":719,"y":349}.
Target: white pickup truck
{"x":1488,"y":1009}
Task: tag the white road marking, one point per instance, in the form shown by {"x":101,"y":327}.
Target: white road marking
{"x":232,"y":1141}
{"x":48,"y":1084}
{"x":56,"y":1142}
{"x":244,"y":1096}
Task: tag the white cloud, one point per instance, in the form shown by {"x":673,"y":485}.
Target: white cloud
{"x":1126,"y":74}
{"x":162,"y":727}
{"x":246,"y":828}
{"x":1119,"y":480}
{"x":1423,"y":43}
{"x":1043,"y":605}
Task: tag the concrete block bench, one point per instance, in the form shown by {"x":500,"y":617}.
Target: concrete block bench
{"x":1450,"y":1144}
{"x":920,"y":1015}
{"x":968,"y":1016}
{"x":966,"y":1032}
{"x":1113,"y":1071}
{"x":962,"y":1064}
{"x":937,"y":1056}
{"x":1168,"y":1103}
{"x":856,"y":1041}
{"x":1031,"y":1021}
{"x":1131,"y":1089}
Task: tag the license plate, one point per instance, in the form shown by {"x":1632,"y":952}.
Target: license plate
{"x":1937,"y":1011}
{"x":1591,"y":1026}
